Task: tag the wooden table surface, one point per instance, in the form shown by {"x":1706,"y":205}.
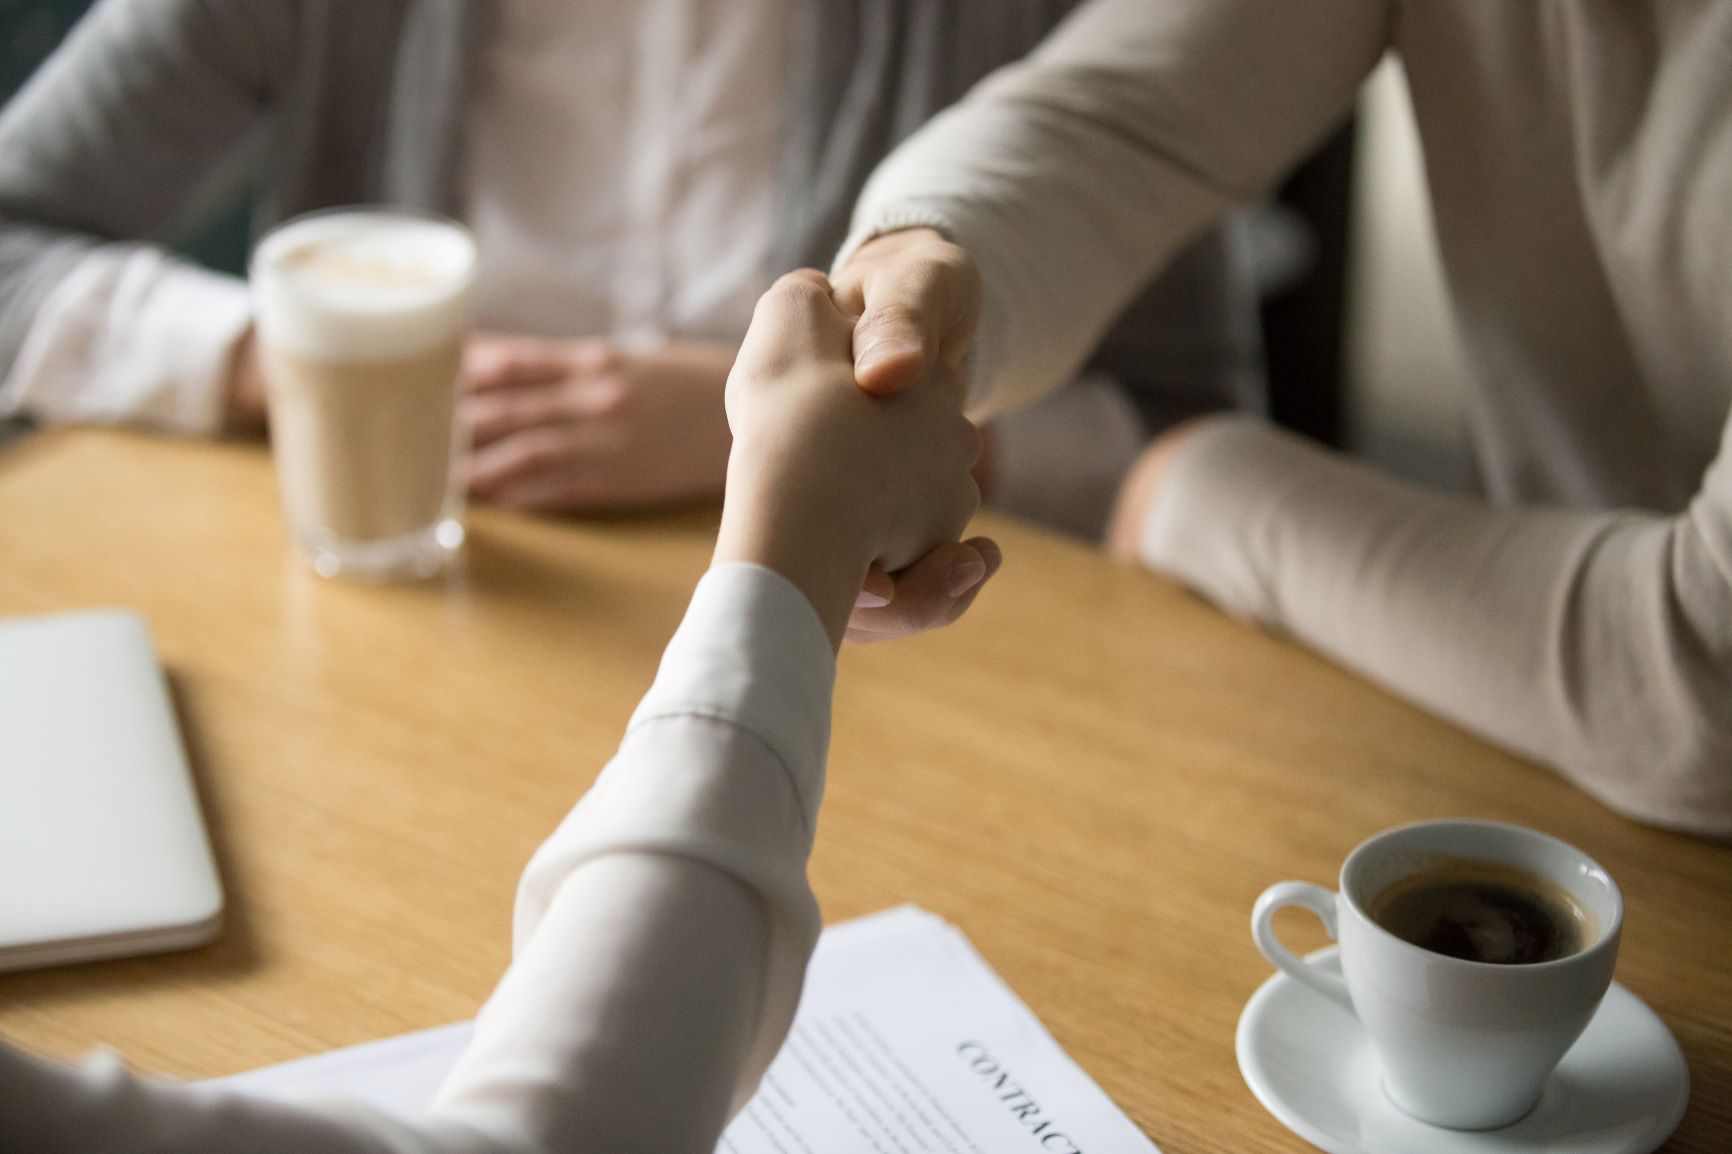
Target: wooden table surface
{"x":1093,"y":776}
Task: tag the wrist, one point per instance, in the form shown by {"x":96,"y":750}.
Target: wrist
{"x":244,"y":406}
{"x":820,"y":553}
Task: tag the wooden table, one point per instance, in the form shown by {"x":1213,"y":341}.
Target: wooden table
{"x":1093,"y":776}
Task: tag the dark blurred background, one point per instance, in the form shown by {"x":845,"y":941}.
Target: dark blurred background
{"x":29,"y":31}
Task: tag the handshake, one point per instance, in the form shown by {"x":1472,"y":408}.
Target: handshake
{"x":851,"y":470}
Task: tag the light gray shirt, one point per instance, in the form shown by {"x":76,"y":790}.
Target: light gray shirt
{"x":620,"y":180}
{"x":1579,"y":154}
{"x":152,"y":105}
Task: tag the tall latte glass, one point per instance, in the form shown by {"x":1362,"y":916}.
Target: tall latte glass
{"x":361,"y":315}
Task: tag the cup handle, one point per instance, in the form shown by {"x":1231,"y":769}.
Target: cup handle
{"x":1319,"y":901}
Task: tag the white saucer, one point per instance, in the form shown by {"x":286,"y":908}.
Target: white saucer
{"x":1620,"y":1090}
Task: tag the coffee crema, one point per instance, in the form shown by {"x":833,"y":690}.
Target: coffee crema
{"x":1484,"y":912}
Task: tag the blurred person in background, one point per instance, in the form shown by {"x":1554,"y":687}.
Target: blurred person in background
{"x":1579,"y":156}
{"x":636,"y":174}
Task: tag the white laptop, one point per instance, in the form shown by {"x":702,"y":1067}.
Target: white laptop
{"x":103,"y":850}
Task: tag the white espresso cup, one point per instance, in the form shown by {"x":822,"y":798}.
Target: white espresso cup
{"x":1462,"y":1044}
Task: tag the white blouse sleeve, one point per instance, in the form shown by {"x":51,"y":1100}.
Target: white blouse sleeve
{"x":130,"y":336}
{"x":662,"y":936}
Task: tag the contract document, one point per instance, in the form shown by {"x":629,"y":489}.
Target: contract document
{"x":906,"y":1042}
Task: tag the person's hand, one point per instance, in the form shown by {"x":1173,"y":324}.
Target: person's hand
{"x":573,"y":425}
{"x":915,"y":300}
{"x":244,"y":403}
{"x":826,"y":483}
{"x":1142,"y":485}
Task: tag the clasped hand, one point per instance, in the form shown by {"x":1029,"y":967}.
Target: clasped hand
{"x":915,"y":300}
{"x":835,"y":488}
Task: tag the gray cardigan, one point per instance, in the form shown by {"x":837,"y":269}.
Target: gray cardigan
{"x":152,"y":106}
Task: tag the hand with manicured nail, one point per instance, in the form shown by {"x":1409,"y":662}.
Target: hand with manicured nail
{"x":929,"y":594}
{"x":915,"y":300}
{"x":835,"y":489}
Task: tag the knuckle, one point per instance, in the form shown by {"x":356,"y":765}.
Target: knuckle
{"x":596,"y":356}
{"x":908,"y":615}
{"x":513,"y":460}
{"x":952,"y":260}
{"x":893,"y":314}
{"x":542,"y":451}
{"x":609,"y":398}
{"x":935,"y":258}
{"x":804,"y":279}
{"x":803,"y":287}
{"x":471,"y":413}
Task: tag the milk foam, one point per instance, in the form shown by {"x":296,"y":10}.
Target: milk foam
{"x":362,"y":285}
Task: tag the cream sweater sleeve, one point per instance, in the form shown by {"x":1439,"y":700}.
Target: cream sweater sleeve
{"x":1072,"y":176}
{"x":1597,"y":643}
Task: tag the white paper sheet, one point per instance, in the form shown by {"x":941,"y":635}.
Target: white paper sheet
{"x":906,"y":1042}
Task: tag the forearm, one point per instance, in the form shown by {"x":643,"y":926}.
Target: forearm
{"x":1070,"y":178}
{"x":627,"y":1022}
{"x":100,"y":1106}
{"x":1600,"y":644}
{"x":664,"y":929}
{"x":828,"y":577}
{"x":662,"y":936}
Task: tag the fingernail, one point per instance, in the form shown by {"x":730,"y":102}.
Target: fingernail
{"x":870,"y":600}
{"x":964,"y":575}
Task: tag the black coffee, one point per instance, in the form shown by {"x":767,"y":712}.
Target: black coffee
{"x":1483,"y":912}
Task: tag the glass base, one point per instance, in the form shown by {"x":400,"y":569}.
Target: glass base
{"x":405,"y":558}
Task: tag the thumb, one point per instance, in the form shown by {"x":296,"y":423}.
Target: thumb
{"x":891,"y":348}
{"x":918,"y":299}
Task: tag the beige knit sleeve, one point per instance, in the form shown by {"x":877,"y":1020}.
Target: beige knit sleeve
{"x":1073,"y":176}
{"x":1596,"y":643}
